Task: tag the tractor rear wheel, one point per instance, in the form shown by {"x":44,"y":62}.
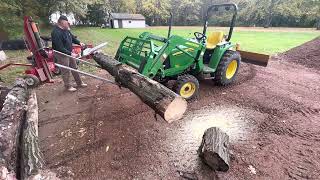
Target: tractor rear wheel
{"x":187,"y":86}
{"x":31,"y":80}
{"x":228,"y":68}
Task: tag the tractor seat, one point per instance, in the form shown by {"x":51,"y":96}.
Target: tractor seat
{"x":214,"y":39}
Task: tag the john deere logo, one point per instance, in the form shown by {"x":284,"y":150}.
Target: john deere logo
{"x":180,"y":52}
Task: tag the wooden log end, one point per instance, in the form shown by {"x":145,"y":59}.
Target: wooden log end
{"x":175,"y":109}
{"x":215,"y":161}
{"x":214,"y":149}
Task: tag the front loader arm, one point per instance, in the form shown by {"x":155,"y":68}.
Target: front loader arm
{"x":183,"y":53}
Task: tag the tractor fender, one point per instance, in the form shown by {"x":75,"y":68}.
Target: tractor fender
{"x":219,"y":51}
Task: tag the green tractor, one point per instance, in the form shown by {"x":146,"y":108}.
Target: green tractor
{"x":182,"y":59}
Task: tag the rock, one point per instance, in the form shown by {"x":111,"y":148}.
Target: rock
{"x":252,"y":169}
{"x":2,"y":56}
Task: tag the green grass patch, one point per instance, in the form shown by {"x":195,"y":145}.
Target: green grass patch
{"x":255,"y":40}
{"x":10,"y":74}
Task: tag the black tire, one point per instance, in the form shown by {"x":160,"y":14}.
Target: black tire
{"x":187,"y":86}
{"x":56,"y":71}
{"x":221,"y":77}
{"x":31,"y":80}
{"x":13,"y":45}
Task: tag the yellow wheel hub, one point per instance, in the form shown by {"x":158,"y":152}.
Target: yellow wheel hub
{"x":231,"y":69}
{"x":187,"y":90}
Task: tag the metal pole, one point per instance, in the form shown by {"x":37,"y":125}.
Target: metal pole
{"x":85,"y":62}
{"x":170,"y":25}
{"x":87,"y":74}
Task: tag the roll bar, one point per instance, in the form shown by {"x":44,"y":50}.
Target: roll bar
{"x":227,"y":7}
{"x":170,"y":24}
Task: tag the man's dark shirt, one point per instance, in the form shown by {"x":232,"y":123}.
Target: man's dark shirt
{"x":62,"y":40}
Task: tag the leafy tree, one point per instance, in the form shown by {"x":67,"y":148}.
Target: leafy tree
{"x":186,"y":12}
{"x":156,"y":11}
{"x":121,"y":6}
{"x":290,"y":13}
{"x":96,"y":14}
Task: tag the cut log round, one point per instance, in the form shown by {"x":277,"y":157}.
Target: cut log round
{"x":31,"y":157}
{"x":11,"y":117}
{"x":214,"y":149}
{"x":164,"y":101}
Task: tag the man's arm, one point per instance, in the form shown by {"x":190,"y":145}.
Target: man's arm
{"x":74,"y":39}
{"x":58,"y":44}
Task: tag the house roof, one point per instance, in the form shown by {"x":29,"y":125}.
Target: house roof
{"x":127,"y":16}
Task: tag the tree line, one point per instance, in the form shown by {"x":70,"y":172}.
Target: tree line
{"x":266,"y":13}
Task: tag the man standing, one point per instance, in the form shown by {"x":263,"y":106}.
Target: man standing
{"x":62,"y":41}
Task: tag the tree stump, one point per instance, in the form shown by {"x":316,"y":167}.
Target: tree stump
{"x":214,"y":149}
{"x":164,"y":101}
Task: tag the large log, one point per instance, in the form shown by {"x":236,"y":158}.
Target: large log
{"x":165,"y":102}
{"x":11,"y":116}
{"x":214,"y":149}
{"x":31,"y":157}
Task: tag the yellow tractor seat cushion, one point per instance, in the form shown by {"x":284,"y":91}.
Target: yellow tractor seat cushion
{"x":214,"y":39}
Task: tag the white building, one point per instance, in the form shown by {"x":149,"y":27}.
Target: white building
{"x":123,"y":20}
{"x":55,"y":16}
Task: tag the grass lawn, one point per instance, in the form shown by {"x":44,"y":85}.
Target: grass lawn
{"x":269,"y":41}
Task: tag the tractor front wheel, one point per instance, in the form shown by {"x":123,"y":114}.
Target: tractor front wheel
{"x":31,"y":80}
{"x":228,"y":68}
{"x":187,"y":86}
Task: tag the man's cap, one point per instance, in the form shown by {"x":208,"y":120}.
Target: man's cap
{"x":62,"y":17}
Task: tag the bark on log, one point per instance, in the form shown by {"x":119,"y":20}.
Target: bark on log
{"x":11,"y":116}
{"x":3,"y":93}
{"x":165,"y":102}
{"x":31,"y":157}
{"x":214,"y":149}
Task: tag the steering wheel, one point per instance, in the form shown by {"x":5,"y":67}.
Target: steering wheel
{"x":200,"y":36}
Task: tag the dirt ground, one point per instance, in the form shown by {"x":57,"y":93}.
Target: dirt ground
{"x":271,"y":114}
